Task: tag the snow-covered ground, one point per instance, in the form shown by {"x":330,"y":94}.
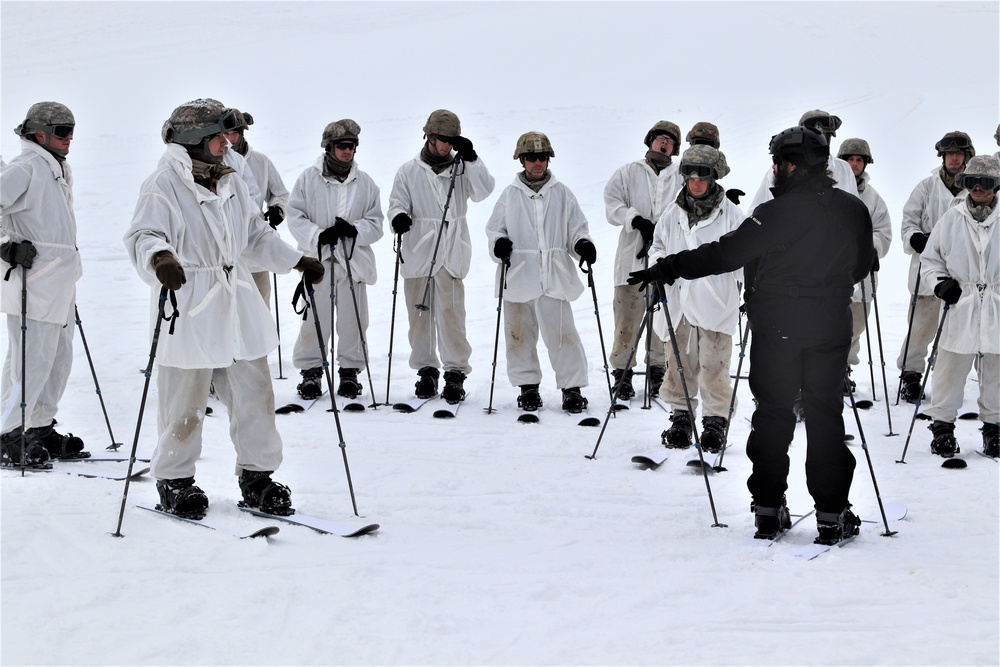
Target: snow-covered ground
{"x":500,"y":543}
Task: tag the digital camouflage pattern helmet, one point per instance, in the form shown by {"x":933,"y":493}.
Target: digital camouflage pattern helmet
{"x":193,"y":121}
{"x":980,"y":165}
{"x":341,"y":130}
{"x":703,"y":155}
{"x":443,"y":123}
{"x":664,"y":127}
{"x":703,"y":133}
{"x":997,"y":134}
{"x":821,"y":121}
{"x":954,"y":142}
{"x":43,"y":117}
{"x":533,"y":142}
{"x":855,"y":147}
{"x":800,"y":146}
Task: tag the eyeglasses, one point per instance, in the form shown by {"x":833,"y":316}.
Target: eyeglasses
{"x":345,"y":146}
{"x":953,"y":142}
{"x":985,"y":183}
{"x":535,"y":157}
{"x":665,"y":138}
{"x":228,"y":122}
{"x":696,"y":170}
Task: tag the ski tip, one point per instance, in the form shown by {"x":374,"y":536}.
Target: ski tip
{"x":699,"y":464}
{"x":618,"y":407}
{"x":528,"y":419}
{"x":646,"y":462}
{"x":286,"y":409}
{"x":354,"y":407}
{"x":864,"y":404}
{"x":208,"y":410}
{"x":590,"y":421}
{"x":954,"y":463}
{"x":402,"y":407}
{"x":969,"y":416}
{"x":848,"y":437}
{"x":444,"y":414}
{"x":266,"y":531}
{"x":923,"y":417}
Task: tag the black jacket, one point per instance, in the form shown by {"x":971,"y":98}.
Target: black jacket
{"x":802,"y":253}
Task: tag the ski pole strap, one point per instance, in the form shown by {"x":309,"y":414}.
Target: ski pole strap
{"x":795,"y":291}
{"x":172,"y":318}
{"x":300,"y":293}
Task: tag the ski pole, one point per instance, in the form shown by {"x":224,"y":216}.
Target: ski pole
{"x":327,"y":366}
{"x":930,"y":365}
{"x":732,"y":400}
{"x":24,"y":361}
{"x":871,"y":468}
{"x":161,"y":317}
{"x":881,"y":355}
{"x":357,"y":318}
{"x":392,"y":318}
{"x":687,"y":400}
{"x":909,"y":330}
{"x":277,"y":324}
{"x":496,"y":339}
{"x":113,"y":447}
{"x":422,"y":306}
{"x":647,"y":379}
{"x":868,"y":339}
{"x":600,"y":332}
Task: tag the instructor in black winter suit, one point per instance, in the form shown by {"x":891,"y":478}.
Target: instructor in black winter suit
{"x":802,"y":253}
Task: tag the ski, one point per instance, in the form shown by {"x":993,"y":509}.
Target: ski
{"x":811,"y":551}
{"x":655,"y":400}
{"x":450,"y":410}
{"x":105,"y":459}
{"x":527,"y":418}
{"x":266,"y":531}
{"x":413,"y":405}
{"x":318,"y":524}
{"x":985,"y":455}
{"x":710,"y":468}
{"x":89,"y":472}
{"x":759,"y":542}
{"x":299,"y":404}
{"x":648,"y":462}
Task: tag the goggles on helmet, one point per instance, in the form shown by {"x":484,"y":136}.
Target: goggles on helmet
{"x":228,"y":122}
{"x":986,"y":183}
{"x":696,"y":170}
{"x":954,"y":142}
{"x":59,"y":131}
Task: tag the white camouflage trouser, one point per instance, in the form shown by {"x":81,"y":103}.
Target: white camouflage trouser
{"x":440,"y":329}
{"x":48,"y":361}
{"x":629,"y":309}
{"x":244,"y":388}
{"x":948,"y":386}
{"x":926,"y":315}
{"x":706,"y":356}
{"x":350,"y":352}
{"x":553,"y":318}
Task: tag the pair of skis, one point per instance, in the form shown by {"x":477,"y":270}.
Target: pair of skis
{"x":320,"y":525}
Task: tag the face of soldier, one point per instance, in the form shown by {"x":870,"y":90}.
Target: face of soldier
{"x":344,"y":150}
{"x":535,"y":165}
{"x":663,"y":143}
{"x":697,"y":186}
{"x":218,"y":145}
{"x":232,"y":137}
{"x":54,"y":142}
{"x":857,"y":164}
{"x":439,"y":147}
{"x":981,"y":197}
{"x":954,"y":161}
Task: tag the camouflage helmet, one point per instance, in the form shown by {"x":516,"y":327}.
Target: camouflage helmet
{"x":43,"y":117}
{"x":955,"y":141}
{"x":533,"y":142}
{"x":703,"y":133}
{"x":821,"y":121}
{"x":443,"y":123}
{"x":997,"y":134}
{"x":800,"y":146}
{"x":703,"y":155}
{"x":340,"y":130}
{"x":981,"y":165}
{"x":664,"y":127}
{"x":193,"y":121}
{"x":244,"y":119}
{"x":855,"y":147}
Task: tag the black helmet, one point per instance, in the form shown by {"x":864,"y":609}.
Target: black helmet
{"x":800,"y":146}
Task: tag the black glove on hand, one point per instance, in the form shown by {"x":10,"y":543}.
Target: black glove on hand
{"x":662,"y":271}
{"x":312,"y":269}
{"x":463,"y":147}
{"x":344,"y":229}
{"x":329,"y":236}
{"x":645,"y":228}
{"x":502,"y":249}
{"x":919,"y":241}
{"x":18,"y":254}
{"x":274,"y":216}
{"x":168,"y":270}
{"x":401,"y":223}
{"x":734,"y":195}
{"x":948,"y":290}
{"x":875,"y":264}
{"x":586,"y":250}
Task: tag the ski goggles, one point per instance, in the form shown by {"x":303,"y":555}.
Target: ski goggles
{"x":59,"y":131}
{"x":823,"y":123}
{"x":228,"y":122}
{"x":954,"y":142}
{"x":984,"y":183}
{"x":697,"y":171}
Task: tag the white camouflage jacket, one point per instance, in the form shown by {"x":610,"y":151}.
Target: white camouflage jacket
{"x":881,"y":233}
{"x":927,"y":203}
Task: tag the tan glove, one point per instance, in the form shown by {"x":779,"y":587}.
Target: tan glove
{"x":168,"y":270}
{"x":312,"y":269}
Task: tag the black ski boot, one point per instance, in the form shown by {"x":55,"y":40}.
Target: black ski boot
{"x":454,"y":387}
{"x":944,"y":443}
{"x":713,"y":434}
{"x":991,"y":439}
{"x":311,"y":386}
{"x":59,"y":446}
{"x":770,"y":521}
{"x":427,"y":385}
{"x":834,"y":528}
{"x":529,"y":399}
{"x":656,"y":375}
{"x":910,"y":390}
{"x":182,"y":497}
{"x":678,"y":436}
{"x":623,"y":384}
{"x":573,"y":401}
{"x":349,"y":386}
{"x":35,"y":455}
{"x":263,"y":494}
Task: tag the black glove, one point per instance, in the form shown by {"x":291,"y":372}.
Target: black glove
{"x":948,"y":290}
{"x":401,"y":223}
{"x":18,"y":254}
{"x":919,"y":241}
{"x":662,"y":271}
{"x":586,"y":250}
{"x":312,"y":269}
{"x":274,"y":216}
{"x":734,"y":195}
{"x":645,"y":228}
{"x":502,"y":249}
{"x":875,"y":264}
{"x":168,"y":270}
{"x":329,"y":236}
{"x":463,"y":147}
{"x":344,"y":229}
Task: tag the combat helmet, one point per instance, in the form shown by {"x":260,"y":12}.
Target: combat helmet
{"x":443,"y":123}
{"x":703,"y":161}
{"x":855,"y":147}
{"x":193,"y":121}
{"x":800,"y":145}
{"x":533,"y":142}
{"x":341,"y":130}
{"x":821,"y":121}
{"x":49,"y":117}
{"x":664,"y":127}
{"x":703,"y":133}
{"x":955,"y":141}
{"x":982,"y":170}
